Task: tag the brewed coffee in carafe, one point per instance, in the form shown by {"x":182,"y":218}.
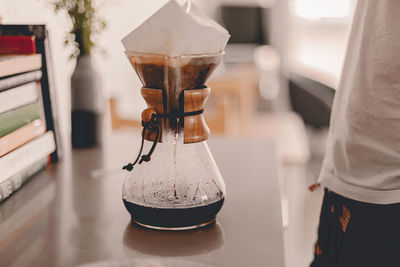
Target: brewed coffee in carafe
{"x":174,"y":183}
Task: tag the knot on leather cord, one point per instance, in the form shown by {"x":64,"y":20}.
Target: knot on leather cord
{"x":149,"y":122}
{"x":128,"y":167}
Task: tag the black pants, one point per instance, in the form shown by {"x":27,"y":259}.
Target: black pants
{"x":357,"y":234}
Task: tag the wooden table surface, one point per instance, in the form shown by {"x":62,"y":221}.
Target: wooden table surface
{"x":72,"y":213}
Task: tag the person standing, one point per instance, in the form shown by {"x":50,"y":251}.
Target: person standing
{"x":360,"y":214}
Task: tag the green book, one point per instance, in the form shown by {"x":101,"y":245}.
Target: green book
{"x":16,"y":118}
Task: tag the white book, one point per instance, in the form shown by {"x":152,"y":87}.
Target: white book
{"x":19,"y":96}
{"x":26,"y":155}
{"x":14,"y":64}
{"x":12,"y":184}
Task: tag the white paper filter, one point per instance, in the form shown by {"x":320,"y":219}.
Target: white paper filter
{"x":173,"y":32}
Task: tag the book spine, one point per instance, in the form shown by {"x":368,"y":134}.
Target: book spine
{"x":17,"y":80}
{"x":19,"y":64}
{"x":21,"y":136}
{"x":15,"y":119}
{"x":13,"y":183}
{"x":17,"y":44}
{"x":21,"y":158}
{"x":49,"y":95}
{"x":19,"y":96}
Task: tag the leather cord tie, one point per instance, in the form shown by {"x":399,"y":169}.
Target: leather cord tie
{"x":151,"y":124}
{"x":177,"y":114}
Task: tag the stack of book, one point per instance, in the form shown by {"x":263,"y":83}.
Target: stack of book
{"x":25,"y":140}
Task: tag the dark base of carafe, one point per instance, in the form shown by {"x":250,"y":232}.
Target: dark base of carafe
{"x":174,"y":219}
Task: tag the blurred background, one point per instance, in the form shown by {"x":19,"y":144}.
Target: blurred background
{"x":277,"y":81}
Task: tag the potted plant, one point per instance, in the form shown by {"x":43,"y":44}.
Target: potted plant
{"x":86,"y":94}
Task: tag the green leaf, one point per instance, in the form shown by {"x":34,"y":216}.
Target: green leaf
{"x":86,"y":24}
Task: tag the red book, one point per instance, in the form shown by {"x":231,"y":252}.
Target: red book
{"x":17,"y":44}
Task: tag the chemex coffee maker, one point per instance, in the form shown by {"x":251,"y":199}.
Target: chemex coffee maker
{"x":174,"y":182}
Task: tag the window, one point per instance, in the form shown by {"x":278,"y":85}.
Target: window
{"x":319,"y":9}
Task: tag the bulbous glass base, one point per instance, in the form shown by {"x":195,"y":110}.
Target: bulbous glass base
{"x":179,"y":188}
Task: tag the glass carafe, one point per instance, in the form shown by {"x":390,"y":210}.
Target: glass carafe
{"x":177,"y":184}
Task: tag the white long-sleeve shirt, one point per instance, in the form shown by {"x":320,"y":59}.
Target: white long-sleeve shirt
{"x":362,"y":161}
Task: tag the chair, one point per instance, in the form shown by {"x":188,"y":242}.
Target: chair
{"x":312,"y":100}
